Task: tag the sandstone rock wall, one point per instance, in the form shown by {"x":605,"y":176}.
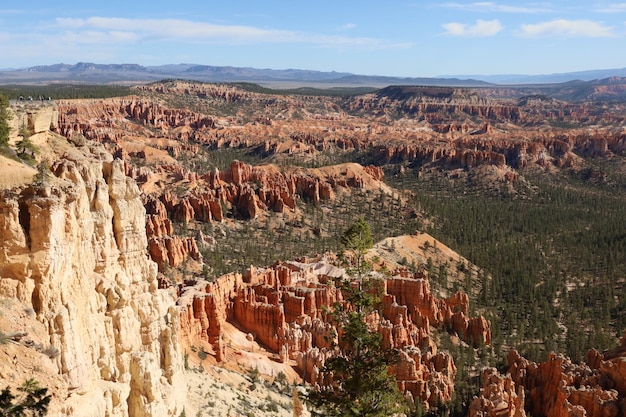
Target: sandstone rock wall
{"x":74,"y":248}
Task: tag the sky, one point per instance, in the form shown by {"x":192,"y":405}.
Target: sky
{"x":410,"y":38}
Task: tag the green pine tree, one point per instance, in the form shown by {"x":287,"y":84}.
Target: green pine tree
{"x":31,"y":401}
{"x":4,"y":121}
{"x":362,"y":384}
{"x":357,"y":240}
{"x":26,"y":149}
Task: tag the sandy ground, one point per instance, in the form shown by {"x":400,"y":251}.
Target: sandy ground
{"x":25,"y":352}
{"x":417,"y":247}
{"x":217,"y":391}
{"x":250,"y":382}
{"x":13,"y":173}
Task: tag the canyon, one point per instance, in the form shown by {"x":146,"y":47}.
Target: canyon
{"x":104,"y":247}
{"x":284,"y":308}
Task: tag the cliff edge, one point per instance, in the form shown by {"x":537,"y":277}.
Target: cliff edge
{"x":73,"y":255}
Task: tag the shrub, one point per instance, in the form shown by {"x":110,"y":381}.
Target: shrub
{"x":51,"y":352}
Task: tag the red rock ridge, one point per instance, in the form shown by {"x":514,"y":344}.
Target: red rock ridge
{"x":108,"y":120}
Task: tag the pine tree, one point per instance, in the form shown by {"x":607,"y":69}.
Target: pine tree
{"x":358,"y":239}
{"x":26,"y":149}
{"x":362,"y":384}
{"x":4,"y":121}
{"x":32,"y":401}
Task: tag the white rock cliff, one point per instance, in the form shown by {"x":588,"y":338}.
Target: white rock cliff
{"x":74,"y":248}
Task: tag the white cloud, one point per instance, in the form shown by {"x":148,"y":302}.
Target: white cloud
{"x":185,"y":30}
{"x":487,"y":6}
{"x":612,"y":8}
{"x":568,"y":28}
{"x":347,"y":26}
{"x":99,"y":37}
{"x":176,"y":29}
{"x":481,"y":29}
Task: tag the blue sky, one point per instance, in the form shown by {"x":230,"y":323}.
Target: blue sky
{"x":396,"y":38}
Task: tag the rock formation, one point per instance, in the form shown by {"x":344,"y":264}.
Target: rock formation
{"x":164,"y":247}
{"x":557,"y":387}
{"x":248,"y":190}
{"x":456,"y":128}
{"x":283,"y":307}
{"x":499,"y":397}
{"x":78,"y":247}
{"x":74,"y":248}
{"x":36,"y":118}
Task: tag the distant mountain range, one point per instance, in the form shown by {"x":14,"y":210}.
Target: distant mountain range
{"x":90,"y":73}
{"x":546,"y":78}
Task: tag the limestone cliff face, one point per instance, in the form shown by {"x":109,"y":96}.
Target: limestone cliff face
{"x":74,"y":247}
{"x":36,"y":117}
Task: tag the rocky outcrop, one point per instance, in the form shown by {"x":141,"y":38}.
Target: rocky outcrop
{"x":165,"y":247}
{"x":435,"y":104}
{"x":283,"y":308}
{"x":427,"y":377}
{"x":35,"y":117}
{"x":499,"y":397}
{"x":248,"y":191}
{"x":426,"y":308}
{"x":204,"y":307}
{"x":109,"y":120}
{"x":74,"y":248}
{"x":558,"y":387}
{"x":251,"y":189}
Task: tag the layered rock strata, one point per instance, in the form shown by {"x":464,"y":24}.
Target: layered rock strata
{"x":74,"y":248}
{"x":455,"y":128}
{"x":285,"y":309}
